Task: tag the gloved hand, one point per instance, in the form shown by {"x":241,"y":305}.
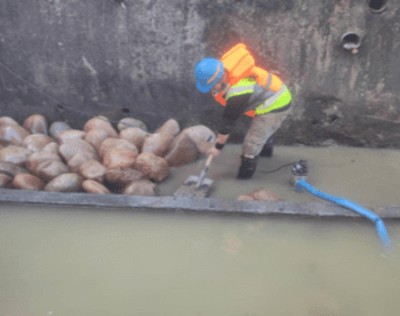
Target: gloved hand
{"x":214,"y":151}
{"x":219,"y":144}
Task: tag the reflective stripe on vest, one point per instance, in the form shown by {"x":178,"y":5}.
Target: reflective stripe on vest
{"x":279,"y":100}
{"x":244,"y":86}
{"x":270,"y":102}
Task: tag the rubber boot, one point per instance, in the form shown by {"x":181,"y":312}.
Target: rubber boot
{"x":268,"y":148}
{"x":247,"y":167}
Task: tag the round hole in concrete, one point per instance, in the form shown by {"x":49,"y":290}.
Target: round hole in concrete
{"x":351,"y":41}
{"x":125,"y":110}
{"x":377,"y":5}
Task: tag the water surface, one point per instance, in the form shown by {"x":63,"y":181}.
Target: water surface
{"x":64,"y":261}
{"x":93,"y":262}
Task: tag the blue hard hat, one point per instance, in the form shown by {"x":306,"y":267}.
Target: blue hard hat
{"x":208,"y":72}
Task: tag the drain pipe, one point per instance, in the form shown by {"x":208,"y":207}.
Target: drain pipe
{"x":351,"y":41}
{"x":300,"y":172}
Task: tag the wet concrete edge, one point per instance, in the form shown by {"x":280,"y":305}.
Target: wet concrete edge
{"x":198,"y":205}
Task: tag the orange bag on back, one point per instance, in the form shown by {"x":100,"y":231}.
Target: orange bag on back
{"x":238,"y":63}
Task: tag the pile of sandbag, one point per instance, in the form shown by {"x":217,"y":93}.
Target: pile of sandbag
{"x":100,"y":158}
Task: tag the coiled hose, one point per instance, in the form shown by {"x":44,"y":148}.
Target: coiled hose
{"x":300,"y":171}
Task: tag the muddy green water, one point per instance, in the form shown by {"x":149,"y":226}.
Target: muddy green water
{"x":115,"y":262}
{"x":367,"y":176}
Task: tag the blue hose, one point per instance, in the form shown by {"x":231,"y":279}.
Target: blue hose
{"x":379,"y":225}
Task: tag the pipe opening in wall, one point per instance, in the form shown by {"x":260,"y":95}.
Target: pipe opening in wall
{"x":125,"y":110}
{"x":377,"y":5}
{"x":351,"y":41}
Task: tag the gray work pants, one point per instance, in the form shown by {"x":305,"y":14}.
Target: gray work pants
{"x":261,"y":129}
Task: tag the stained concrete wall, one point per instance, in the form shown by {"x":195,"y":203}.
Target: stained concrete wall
{"x":72,"y":59}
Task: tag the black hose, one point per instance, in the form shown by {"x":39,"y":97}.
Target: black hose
{"x":277,"y":169}
{"x":268,"y":171}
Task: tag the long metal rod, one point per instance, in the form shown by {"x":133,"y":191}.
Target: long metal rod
{"x":204,"y":171}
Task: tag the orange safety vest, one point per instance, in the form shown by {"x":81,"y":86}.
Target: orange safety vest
{"x":239,"y":64}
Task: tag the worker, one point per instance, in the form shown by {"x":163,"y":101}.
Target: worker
{"x":243,"y":88}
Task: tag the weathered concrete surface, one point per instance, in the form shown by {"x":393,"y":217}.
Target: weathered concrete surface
{"x":74,"y":59}
{"x":169,"y":203}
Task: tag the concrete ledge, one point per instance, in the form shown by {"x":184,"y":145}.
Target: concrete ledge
{"x":170,"y":203}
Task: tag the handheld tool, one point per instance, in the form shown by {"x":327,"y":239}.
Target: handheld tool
{"x":196,"y":186}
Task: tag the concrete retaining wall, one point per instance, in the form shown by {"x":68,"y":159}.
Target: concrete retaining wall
{"x":72,"y":59}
